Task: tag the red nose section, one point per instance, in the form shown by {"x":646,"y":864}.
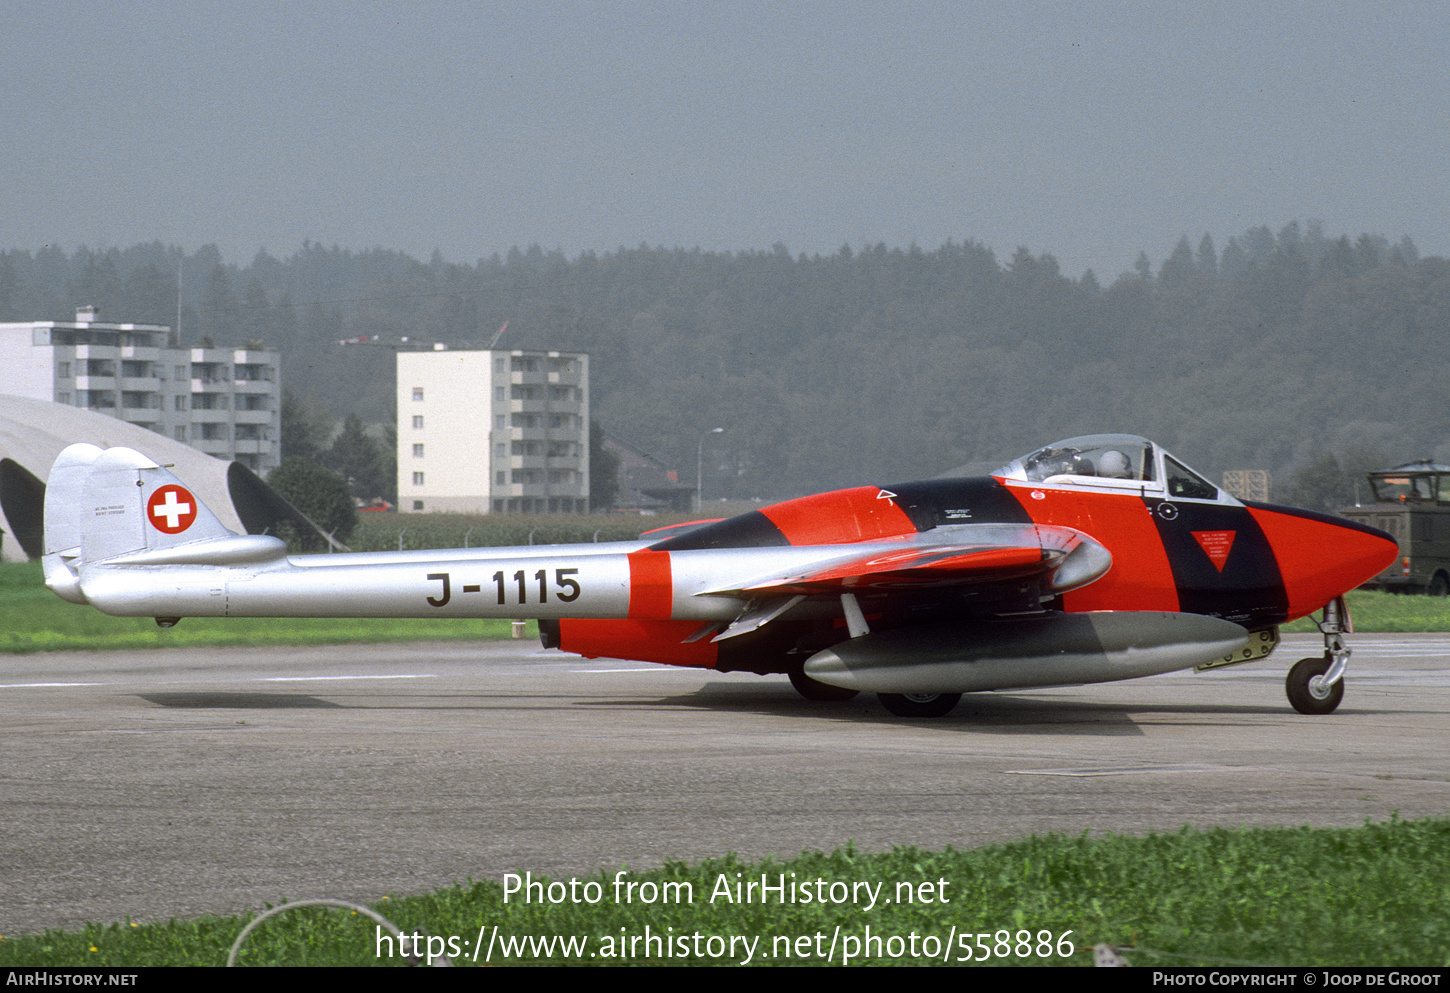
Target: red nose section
{"x":1322,"y":557}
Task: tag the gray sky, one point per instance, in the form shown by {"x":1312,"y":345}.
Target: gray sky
{"x":1089,"y":130}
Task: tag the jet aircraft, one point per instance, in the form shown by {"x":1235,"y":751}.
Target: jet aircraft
{"x":1089,"y":560}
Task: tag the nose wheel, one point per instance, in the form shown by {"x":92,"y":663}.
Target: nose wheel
{"x":1309,"y":692}
{"x":1316,"y":685}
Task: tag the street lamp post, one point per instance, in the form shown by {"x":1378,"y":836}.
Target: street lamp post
{"x":700,"y":467}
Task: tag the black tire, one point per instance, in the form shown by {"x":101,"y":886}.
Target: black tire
{"x":814,"y":689}
{"x":919,"y":704}
{"x":1297,"y":686}
{"x":1439,"y":586}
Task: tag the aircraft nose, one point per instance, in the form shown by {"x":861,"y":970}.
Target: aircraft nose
{"x":1321,"y":557}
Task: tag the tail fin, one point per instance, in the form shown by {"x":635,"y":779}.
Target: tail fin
{"x":62,"y":535}
{"x":119,"y":507}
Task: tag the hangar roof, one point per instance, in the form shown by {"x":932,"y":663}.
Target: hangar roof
{"x":32,"y":434}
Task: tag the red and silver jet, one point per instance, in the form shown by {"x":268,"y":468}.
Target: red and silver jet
{"x":1090,"y":560}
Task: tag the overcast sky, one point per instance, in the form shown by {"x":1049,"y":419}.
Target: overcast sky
{"x":1088,"y":130}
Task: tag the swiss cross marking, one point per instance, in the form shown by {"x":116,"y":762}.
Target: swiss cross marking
{"x":171,"y":509}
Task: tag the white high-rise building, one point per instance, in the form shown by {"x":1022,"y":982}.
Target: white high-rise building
{"x":225,"y":402}
{"x":496,"y":431}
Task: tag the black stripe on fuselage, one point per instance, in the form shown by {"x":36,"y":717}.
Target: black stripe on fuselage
{"x":1248,"y":590}
{"x":752,"y":530}
{"x":927,"y":504}
{"x":935,"y":503}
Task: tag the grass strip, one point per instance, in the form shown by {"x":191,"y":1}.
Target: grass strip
{"x":1375,"y":611}
{"x":1376,"y":895}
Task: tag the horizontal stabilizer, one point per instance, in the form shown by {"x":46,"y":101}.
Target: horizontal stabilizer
{"x":238,"y":549}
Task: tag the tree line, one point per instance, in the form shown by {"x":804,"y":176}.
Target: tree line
{"x":1297,"y":351}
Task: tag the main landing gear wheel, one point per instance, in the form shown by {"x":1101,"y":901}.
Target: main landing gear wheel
{"x":919,"y":704}
{"x":1307,"y":692}
{"x":814,"y":689}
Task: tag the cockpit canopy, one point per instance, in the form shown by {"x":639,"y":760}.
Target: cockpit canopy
{"x":1111,"y":456}
{"x":1111,"y":461}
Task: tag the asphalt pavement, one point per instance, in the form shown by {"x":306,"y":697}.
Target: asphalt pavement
{"x":176,"y":783}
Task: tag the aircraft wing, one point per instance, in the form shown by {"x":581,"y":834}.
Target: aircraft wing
{"x":965,"y":555}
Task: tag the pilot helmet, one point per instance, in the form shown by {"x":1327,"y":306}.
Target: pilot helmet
{"x":1115,"y":465}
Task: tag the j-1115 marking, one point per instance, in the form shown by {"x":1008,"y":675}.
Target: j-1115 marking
{"x":566,"y":588}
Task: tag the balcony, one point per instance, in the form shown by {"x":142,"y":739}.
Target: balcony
{"x":220,"y":447}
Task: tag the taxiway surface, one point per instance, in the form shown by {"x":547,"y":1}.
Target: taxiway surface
{"x":178,"y":783}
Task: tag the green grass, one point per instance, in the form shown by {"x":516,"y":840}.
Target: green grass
{"x":33,"y":619}
{"x":1377,"y":895}
{"x":1377,"y":611}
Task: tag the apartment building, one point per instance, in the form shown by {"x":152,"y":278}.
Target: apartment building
{"x":493,"y":431}
{"x":222,"y":401}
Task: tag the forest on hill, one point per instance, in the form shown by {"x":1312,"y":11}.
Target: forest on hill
{"x":1310,"y":354}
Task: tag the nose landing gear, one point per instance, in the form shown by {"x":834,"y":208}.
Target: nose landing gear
{"x":1316,"y":685}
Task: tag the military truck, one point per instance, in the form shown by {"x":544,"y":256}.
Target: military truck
{"x":1412,"y":503}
